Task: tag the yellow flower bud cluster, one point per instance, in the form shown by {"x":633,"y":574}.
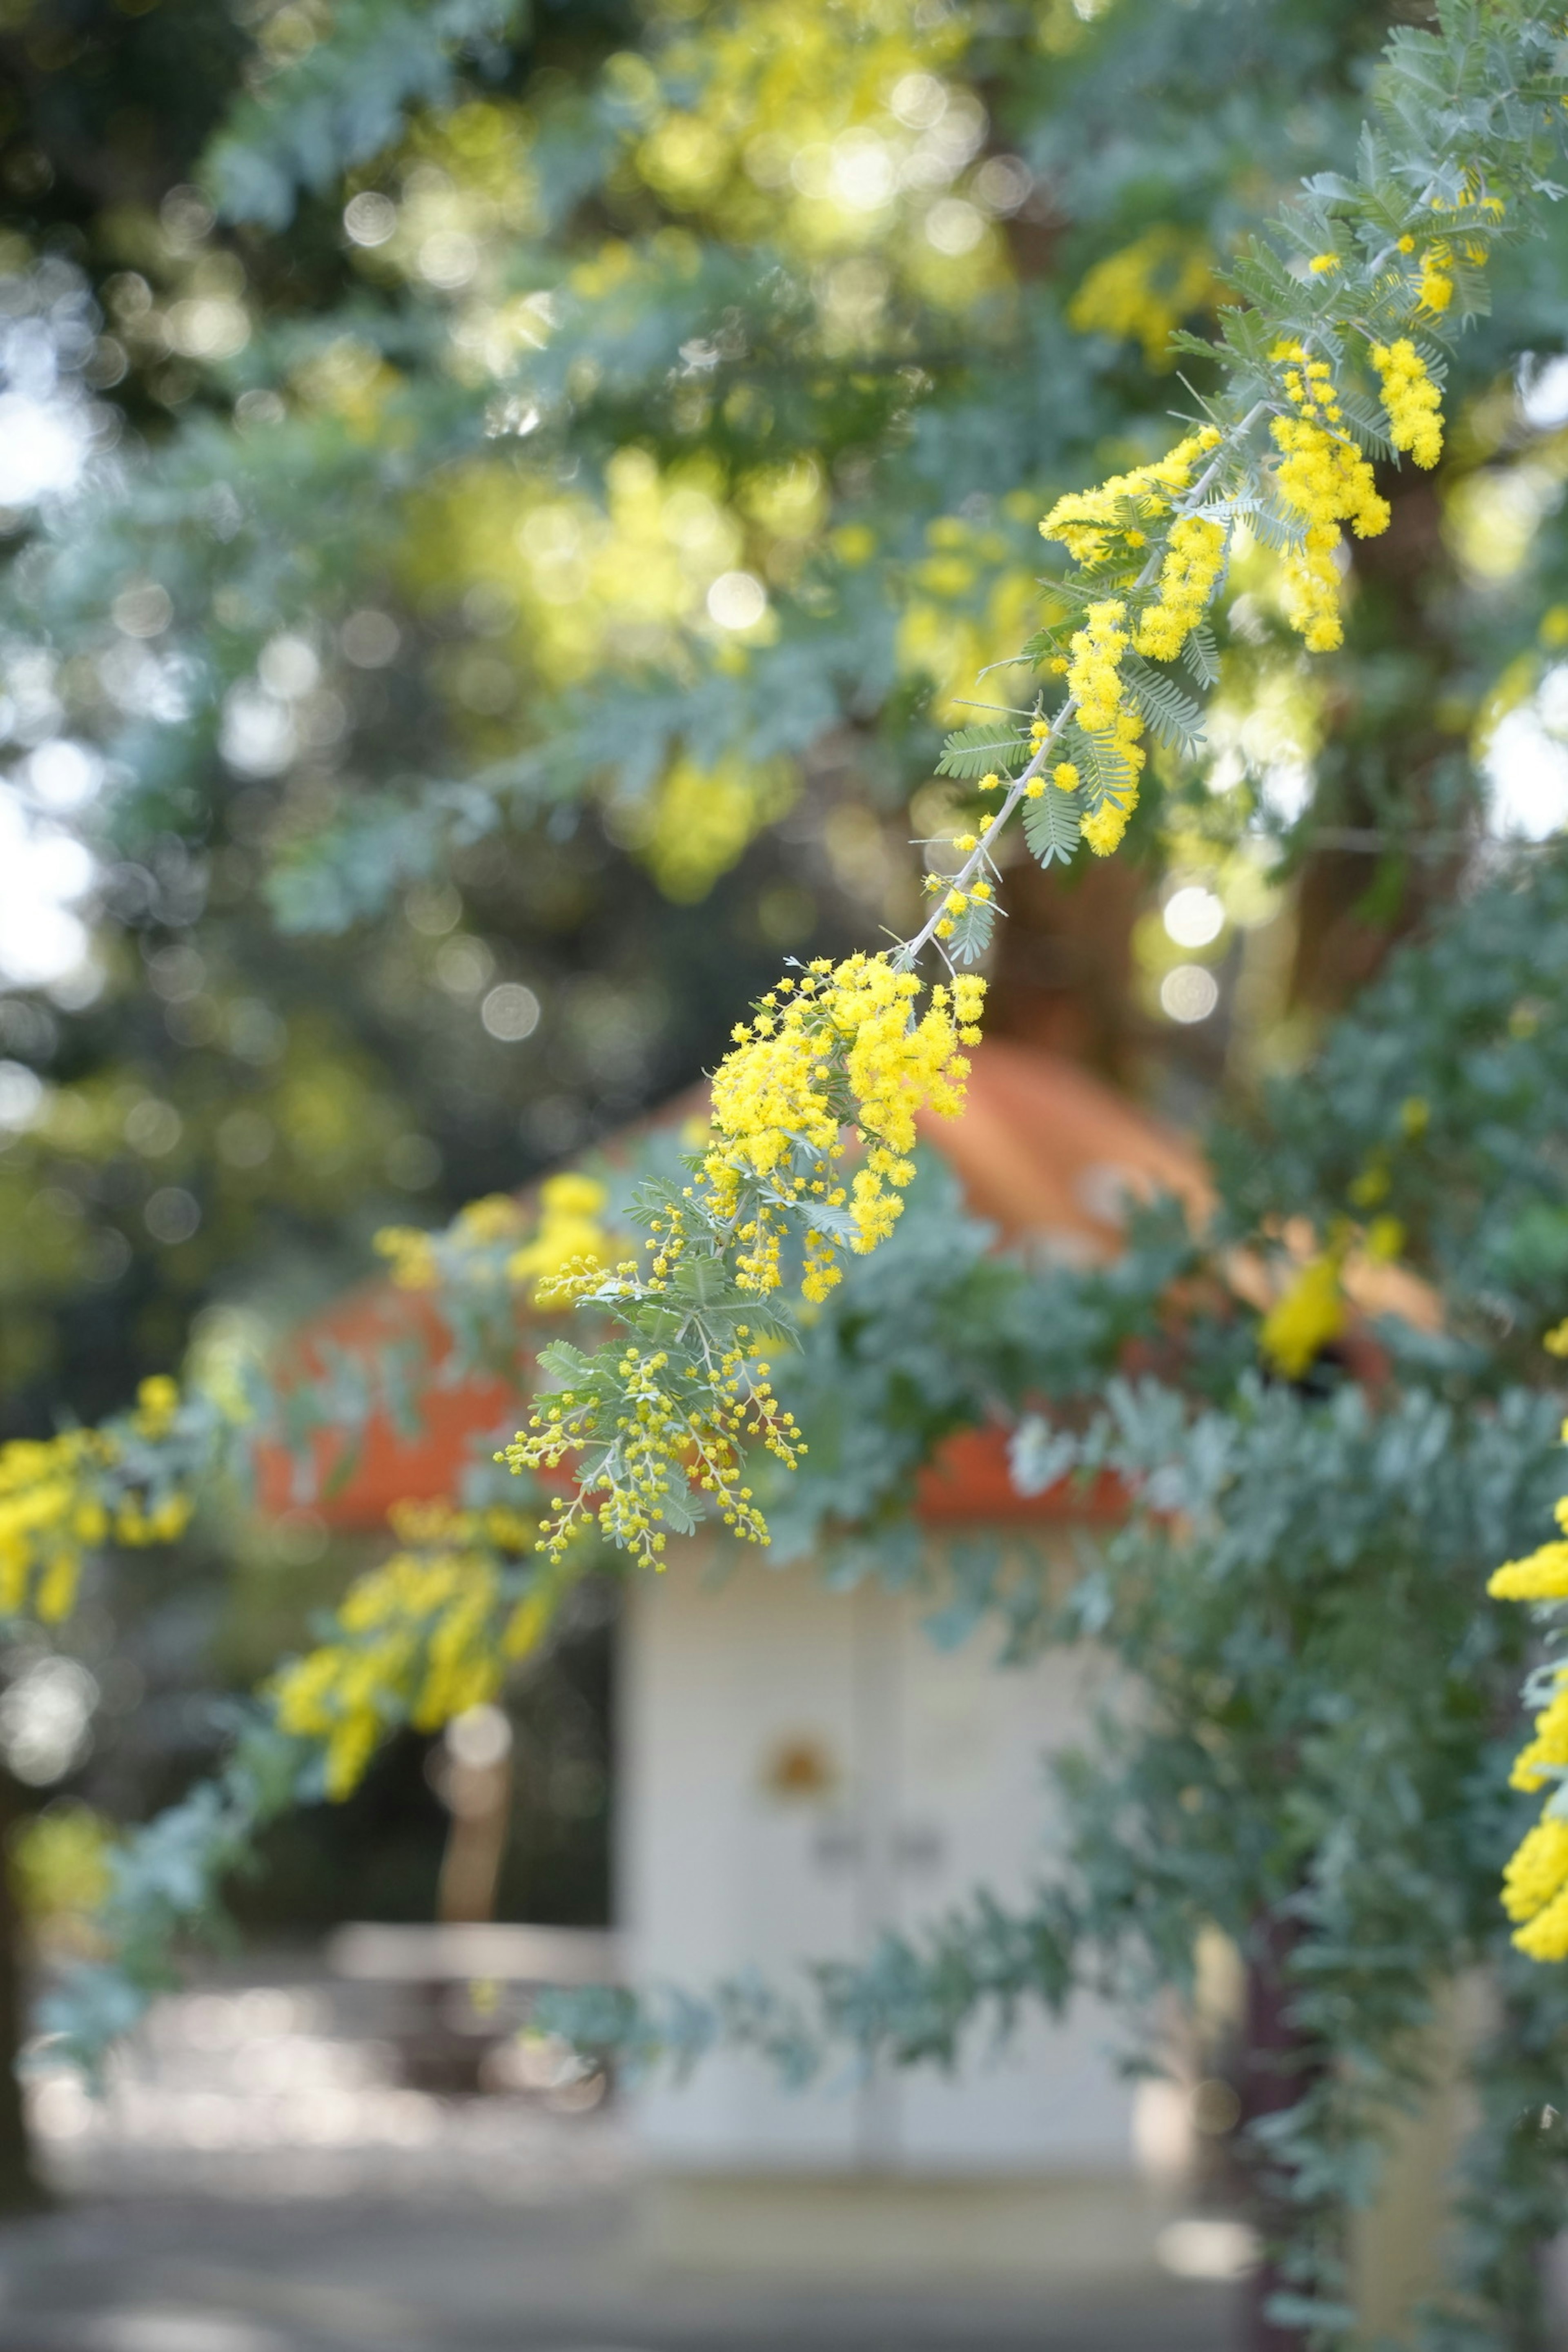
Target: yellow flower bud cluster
{"x":1412,"y":400}
{"x":418,"y":1640}
{"x":841,"y":1048}
{"x":1324,"y":479}
{"x":1195,"y":558}
{"x":1095,"y":683}
{"x":570,"y":1239}
{"x":1094,"y":525}
{"x":671,"y":1426}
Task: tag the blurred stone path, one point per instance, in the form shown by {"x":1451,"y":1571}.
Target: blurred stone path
{"x":259,"y":2181}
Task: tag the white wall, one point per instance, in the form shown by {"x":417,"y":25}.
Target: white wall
{"x":930,"y":1782}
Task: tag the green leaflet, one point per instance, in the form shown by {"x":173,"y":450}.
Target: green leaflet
{"x":975,"y":750}
{"x":1200,"y":654}
{"x":1110,"y":776}
{"x":1053,"y":824}
{"x":1170,"y":715}
{"x":971,"y":931}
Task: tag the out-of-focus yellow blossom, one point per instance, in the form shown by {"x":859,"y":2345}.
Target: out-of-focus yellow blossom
{"x":1414,"y":404}
{"x":157,"y":1402}
{"x":135,"y":1522}
{"x":418,"y":1640}
{"x":787,"y":128}
{"x":1373,"y":1184}
{"x":571,"y":1234}
{"x":1308,"y":1313}
{"x":59,"y":1868}
{"x":533,"y":1252}
{"x":581,"y":586}
{"x":414,"y":1266}
{"x":698,"y":821}
{"x":51,"y":1514}
{"x":494,"y":1218}
{"x":61,"y":1496}
{"x":1385,"y":1240}
{"x":971,"y":602}
{"x":1146,"y":291}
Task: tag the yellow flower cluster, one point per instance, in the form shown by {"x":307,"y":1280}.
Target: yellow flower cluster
{"x":841,"y":1048}
{"x":1094,"y":675}
{"x":416,"y":1639}
{"x":1095,"y":683}
{"x":1146,"y":291}
{"x":1195,"y":558}
{"x":1414,"y":404}
{"x":59,"y":1499}
{"x":1324,"y":476}
{"x":1435,"y":289}
{"x":1308,"y":1313}
{"x":51,"y":1514}
{"x":1095,"y":526}
{"x":1535,"y":1883}
{"x":668,"y":1432}
{"x":1542,"y":1575}
{"x":1535,"y":1891}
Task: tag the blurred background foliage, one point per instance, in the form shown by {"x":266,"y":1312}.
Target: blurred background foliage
{"x":499,"y":507}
